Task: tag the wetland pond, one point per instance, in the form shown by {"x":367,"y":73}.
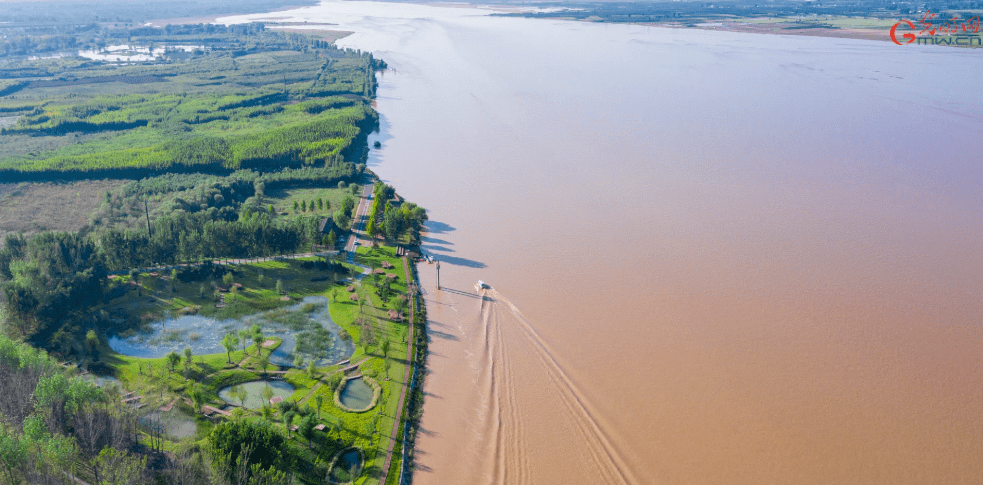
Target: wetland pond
{"x":254,"y":392}
{"x":348,"y":465}
{"x":356,"y":394}
{"x":307,"y":322}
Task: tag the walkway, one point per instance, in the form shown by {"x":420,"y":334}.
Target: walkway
{"x":406,"y":379}
{"x":358,"y":222}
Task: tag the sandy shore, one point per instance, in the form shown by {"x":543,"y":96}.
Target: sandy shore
{"x":783,"y":28}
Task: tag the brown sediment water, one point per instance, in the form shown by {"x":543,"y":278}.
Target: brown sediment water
{"x":714,"y":257}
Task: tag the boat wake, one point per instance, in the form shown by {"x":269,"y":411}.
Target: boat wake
{"x":504,"y":424}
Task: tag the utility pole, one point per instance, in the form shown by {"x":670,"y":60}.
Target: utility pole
{"x":438,"y":275}
{"x":147,"y":212}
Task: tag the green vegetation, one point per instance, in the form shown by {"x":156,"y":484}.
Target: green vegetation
{"x":395,"y":221}
{"x":238,"y":148}
{"x":248,"y":98}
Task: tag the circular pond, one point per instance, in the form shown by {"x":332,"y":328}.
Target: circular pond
{"x":254,"y":393}
{"x":347,"y":466}
{"x":357,"y":394}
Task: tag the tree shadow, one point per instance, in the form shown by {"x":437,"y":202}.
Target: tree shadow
{"x":443,"y":335}
{"x":470,"y":263}
{"x":436,"y":227}
{"x":433,"y":240}
{"x":442,"y":249}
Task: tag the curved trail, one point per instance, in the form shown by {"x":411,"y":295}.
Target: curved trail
{"x":504,"y":423}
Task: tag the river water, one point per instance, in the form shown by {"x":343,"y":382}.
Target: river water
{"x":716,"y":257}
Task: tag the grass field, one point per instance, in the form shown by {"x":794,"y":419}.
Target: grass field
{"x":283,"y":200}
{"x":34,"y":207}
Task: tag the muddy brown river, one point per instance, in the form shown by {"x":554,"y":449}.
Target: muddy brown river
{"x":715,"y":258}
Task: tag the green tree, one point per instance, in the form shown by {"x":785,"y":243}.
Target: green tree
{"x":341,"y":220}
{"x":230,"y":342}
{"x":267,"y":394}
{"x":228,"y":279}
{"x":306,"y":428}
{"x":92,"y":342}
{"x":311,"y":368}
{"x":197,"y":395}
{"x":239,"y":394}
{"x":280,"y":289}
{"x":258,"y":337}
{"x":256,"y":442}
{"x":244,"y":337}
{"x":187,"y":359}
{"x":264,"y":360}
{"x":117,"y":467}
{"x":319,"y":401}
{"x":320,"y":203}
{"x":173,"y":359}
{"x":311,"y":205}
{"x":288,"y":419}
{"x":303,"y":206}
{"x":13,"y":455}
{"x":296,"y":206}
{"x":272,"y":210}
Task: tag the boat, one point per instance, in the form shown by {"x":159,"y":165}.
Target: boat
{"x":481,"y":285}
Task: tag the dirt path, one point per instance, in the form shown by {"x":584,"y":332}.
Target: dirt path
{"x":406,"y":380}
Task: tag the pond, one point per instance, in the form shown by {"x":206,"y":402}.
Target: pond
{"x":172,"y":423}
{"x":347,"y":467}
{"x":309,"y":320}
{"x":254,"y":392}
{"x":357,"y":394}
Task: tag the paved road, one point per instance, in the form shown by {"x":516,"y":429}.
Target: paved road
{"x":358,"y":222}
